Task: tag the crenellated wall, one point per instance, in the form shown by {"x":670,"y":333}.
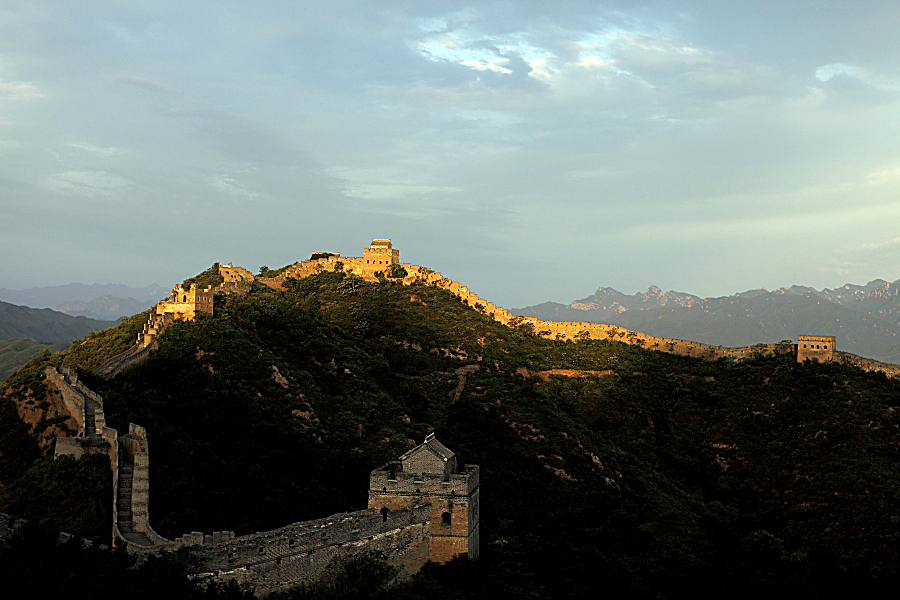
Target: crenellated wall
{"x":278,"y":559}
{"x":269,"y":561}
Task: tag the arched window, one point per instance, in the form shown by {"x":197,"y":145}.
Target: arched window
{"x":184,"y":298}
{"x":445,"y":518}
{"x":384,"y":514}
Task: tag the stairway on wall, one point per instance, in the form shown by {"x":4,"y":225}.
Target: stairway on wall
{"x":124,"y":515}
{"x":90,"y":406}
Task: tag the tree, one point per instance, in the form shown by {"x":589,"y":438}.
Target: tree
{"x":396,"y":271}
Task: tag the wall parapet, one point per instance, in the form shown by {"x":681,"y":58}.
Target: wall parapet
{"x":277,"y":559}
{"x":460,"y":484}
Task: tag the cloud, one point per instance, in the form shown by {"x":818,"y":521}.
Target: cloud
{"x":884,"y":177}
{"x":89,"y":184}
{"x":19,"y":91}
{"x":893,"y":242}
{"x":836,"y":71}
{"x":827,"y":72}
{"x":96,"y":149}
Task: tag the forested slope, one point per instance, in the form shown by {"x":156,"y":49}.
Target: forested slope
{"x":651,"y":475}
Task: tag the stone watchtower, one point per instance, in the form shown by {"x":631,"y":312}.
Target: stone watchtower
{"x":430,"y":474}
{"x":380,"y":255}
{"x":819,"y":347}
{"x":186,"y":304}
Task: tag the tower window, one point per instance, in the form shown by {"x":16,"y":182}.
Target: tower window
{"x":445,"y":518}
{"x":384,"y":514}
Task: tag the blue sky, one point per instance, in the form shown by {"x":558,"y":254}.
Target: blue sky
{"x":532,"y":151}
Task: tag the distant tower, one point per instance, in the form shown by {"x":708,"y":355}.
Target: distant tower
{"x":379,"y":256}
{"x":429,"y":474}
{"x":819,"y":347}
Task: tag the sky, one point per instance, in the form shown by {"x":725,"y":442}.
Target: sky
{"x":532,"y":151}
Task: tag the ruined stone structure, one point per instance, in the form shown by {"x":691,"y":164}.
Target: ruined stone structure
{"x":429,"y":474}
{"x":186,"y":304}
{"x":420,"y":517}
{"x":128,"y":456}
{"x":818,"y":347}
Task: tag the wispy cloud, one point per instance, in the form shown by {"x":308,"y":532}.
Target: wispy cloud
{"x":828,"y":72}
{"x":883,"y":177}
{"x":19,"y":91}
{"x":893,"y":242}
{"x":89,"y":184}
{"x":96,"y":149}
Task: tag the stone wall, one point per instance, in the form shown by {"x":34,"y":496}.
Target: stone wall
{"x":867,"y":364}
{"x":278,"y":559}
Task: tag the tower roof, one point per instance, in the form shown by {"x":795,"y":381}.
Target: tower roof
{"x":430,"y":444}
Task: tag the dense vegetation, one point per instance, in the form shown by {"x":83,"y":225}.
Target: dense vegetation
{"x":649,"y":474}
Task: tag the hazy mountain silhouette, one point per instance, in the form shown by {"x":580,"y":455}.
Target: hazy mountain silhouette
{"x":865,"y":319}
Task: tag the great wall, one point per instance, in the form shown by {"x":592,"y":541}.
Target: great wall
{"x":421,"y":507}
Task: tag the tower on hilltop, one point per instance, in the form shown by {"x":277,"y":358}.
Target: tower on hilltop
{"x":429,"y":473}
{"x":381,"y":252}
{"x":819,"y":347}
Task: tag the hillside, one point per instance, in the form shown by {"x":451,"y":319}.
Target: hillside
{"x":865,"y":319}
{"x":647,"y":474}
{"x":16,"y":352}
{"x":45,"y":325}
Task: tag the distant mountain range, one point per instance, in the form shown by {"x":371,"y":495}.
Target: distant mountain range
{"x":25,"y":332}
{"x":96,"y":301}
{"x":865,"y":319}
{"x":45,"y":325}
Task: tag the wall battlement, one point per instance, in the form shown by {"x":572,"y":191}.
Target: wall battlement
{"x":275,"y":560}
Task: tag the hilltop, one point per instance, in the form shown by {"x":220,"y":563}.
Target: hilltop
{"x":605,"y":466}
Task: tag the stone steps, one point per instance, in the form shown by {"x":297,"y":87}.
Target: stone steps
{"x":124,"y":517}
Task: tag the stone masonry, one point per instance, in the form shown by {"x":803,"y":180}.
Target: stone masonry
{"x":429,"y":474}
{"x":818,"y":347}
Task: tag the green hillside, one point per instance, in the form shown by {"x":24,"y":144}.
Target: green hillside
{"x":667,"y":476}
{"x":16,"y":352}
{"x":45,"y":325}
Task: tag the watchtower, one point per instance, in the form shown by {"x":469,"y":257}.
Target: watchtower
{"x":819,"y":347}
{"x":380,"y":255}
{"x":429,"y":473}
{"x":186,"y":304}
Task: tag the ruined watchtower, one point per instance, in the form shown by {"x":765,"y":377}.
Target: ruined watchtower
{"x":819,"y":347}
{"x":186,"y":304}
{"x":429,"y":473}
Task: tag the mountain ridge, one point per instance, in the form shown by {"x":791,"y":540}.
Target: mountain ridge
{"x":866,"y":319}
